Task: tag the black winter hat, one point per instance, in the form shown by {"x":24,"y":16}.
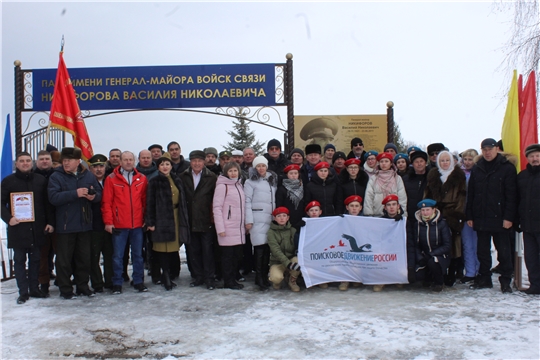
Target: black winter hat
{"x":313,"y":148}
{"x":419,"y":154}
{"x":273,"y":142}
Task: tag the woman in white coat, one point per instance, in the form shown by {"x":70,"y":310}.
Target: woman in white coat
{"x":386,"y":181}
{"x":260,"y":190}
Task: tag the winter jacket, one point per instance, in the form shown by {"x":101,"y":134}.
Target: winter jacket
{"x":281,"y":243}
{"x":450,"y":196}
{"x":326,"y":192}
{"x":73,"y":213}
{"x":149,"y":172}
{"x":278,"y":165}
{"x":215,"y":169}
{"x":180,"y":167}
{"x":27,"y":234}
{"x":374,"y":196}
{"x":415,"y":185}
{"x":492,"y":194}
{"x":160,"y":211}
{"x":528,"y":182}
{"x":199,"y":200}
{"x":433,"y":239}
{"x":260,"y":202}
{"x":295,"y":212}
{"x":353,"y":186}
{"x":123,"y":204}
{"x":230,"y":211}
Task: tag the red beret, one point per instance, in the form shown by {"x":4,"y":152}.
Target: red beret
{"x":391,"y":197}
{"x":291,"y":167}
{"x":352,"y":161}
{"x":353,"y":198}
{"x":322,"y":165}
{"x":280,"y":210}
{"x":312,"y":204}
{"x":385,"y":155}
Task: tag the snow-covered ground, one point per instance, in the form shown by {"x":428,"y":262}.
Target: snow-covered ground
{"x":410,"y":323}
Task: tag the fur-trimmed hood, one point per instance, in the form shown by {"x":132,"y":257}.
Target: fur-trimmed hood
{"x":270,"y":176}
{"x":509,"y":157}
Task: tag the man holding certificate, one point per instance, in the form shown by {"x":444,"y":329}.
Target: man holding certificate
{"x":29,"y":216}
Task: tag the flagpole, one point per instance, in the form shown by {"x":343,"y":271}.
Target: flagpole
{"x":48,"y":133}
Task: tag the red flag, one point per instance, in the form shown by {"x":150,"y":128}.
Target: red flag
{"x":65,"y":113}
{"x":528,"y":118}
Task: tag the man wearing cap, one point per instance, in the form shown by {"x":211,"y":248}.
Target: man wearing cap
{"x":211,"y":159}
{"x":320,"y":131}
{"x":224,"y":158}
{"x":146,"y":166}
{"x":237,"y":156}
{"x":297,"y":157}
{"x":200,"y":185}
{"x":72,"y":190}
{"x":101,"y":239}
{"x":357,"y":150}
{"x":433,"y":151}
{"x":276,"y":160}
{"x":178,"y":162}
{"x":26,"y":236}
{"x":156,"y":150}
{"x":491,"y":212}
{"x":123,"y":204}
{"x":338,"y":161}
{"x":529,"y":215}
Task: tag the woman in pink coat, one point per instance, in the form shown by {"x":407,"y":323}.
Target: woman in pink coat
{"x":229,"y":216}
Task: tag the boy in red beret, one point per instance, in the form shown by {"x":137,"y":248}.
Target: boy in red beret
{"x":283,"y":250}
{"x":392,"y":209}
{"x":353,"y":204}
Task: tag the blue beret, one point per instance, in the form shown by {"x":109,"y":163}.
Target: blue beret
{"x":369,"y":153}
{"x":401,"y":156}
{"x":413,"y":148}
{"x":426,"y":203}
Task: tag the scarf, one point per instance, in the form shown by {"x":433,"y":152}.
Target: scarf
{"x":445,"y":173}
{"x":295,"y":191}
{"x":428,"y":218}
{"x":386,"y":181}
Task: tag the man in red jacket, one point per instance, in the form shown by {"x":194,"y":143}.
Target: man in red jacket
{"x":122,"y":206}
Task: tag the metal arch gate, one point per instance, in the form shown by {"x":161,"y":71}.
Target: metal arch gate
{"x":33,"y":141}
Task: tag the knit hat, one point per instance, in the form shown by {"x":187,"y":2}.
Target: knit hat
{"x":298,"y":151}
{"x":355,"y":141}
{"x":273,"y":142}
{"x":260,"y":160}
{"x":329,"y":146}
{"x":390,"y":146}
{"x":339,"y":155}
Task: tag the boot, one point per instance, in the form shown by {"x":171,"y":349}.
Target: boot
{"x":293,"y":285}
{"x":259,"y":255}
{"x":505,"y":285}
{"x":166,"y":280}
{"x":343,"y":286}
{"x":266,"y":267}
{"x":482,"y":282}
{"x":45,"y":289}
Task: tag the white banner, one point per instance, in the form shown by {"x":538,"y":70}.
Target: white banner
{"x":353,"y":248}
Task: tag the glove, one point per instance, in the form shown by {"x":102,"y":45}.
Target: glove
{"x":341,"y":215}
{"x":293,"y":266}
{"x":398,"y":217}
{"x":302,"y":223}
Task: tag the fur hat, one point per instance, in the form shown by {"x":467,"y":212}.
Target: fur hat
{"x":210,"y":150}
{"x":71,"y":153}
{"x":435,"y":147}
{"x":313,"y":149}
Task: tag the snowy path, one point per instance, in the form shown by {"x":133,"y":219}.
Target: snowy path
{"x":315,"y":323}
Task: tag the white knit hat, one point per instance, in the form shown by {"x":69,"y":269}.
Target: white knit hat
{"x":260,"y":160}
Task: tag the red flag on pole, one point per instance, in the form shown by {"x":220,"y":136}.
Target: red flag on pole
{"x":528,"y":117}
{"x":65,"y":112}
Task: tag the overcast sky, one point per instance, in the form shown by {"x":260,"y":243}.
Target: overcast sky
{"x":438,"y":62}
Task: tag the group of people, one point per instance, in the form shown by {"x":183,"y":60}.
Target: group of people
{"x":244,"y":214}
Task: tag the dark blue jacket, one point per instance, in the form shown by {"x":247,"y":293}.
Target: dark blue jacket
{"x":73,"y":214}
{"x":433,"y":239}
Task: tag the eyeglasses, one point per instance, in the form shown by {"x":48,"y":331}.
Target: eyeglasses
{"x":351,"y":167}
{"x":433,"y":153}
{"x":359,"y":144}
{"x":274,"y":148}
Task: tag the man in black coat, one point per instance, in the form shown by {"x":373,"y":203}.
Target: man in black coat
{"x":528,"y":182}
{"x":26,"y":235}
{"x":200,"y":184}
{"x":277,"y":161}
{"x":178,"y":162}
{"x":491,"y":211}
{"x":357,"y":150}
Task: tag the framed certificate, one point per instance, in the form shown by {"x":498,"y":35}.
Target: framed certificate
{"x":22,"y":206}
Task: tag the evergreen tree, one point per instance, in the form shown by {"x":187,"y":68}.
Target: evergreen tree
{"x":243,"y":137}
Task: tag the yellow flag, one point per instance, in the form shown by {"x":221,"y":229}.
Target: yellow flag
{"x":510,"y":127}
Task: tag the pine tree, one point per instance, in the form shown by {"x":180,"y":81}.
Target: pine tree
{"x":242,"y":137}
